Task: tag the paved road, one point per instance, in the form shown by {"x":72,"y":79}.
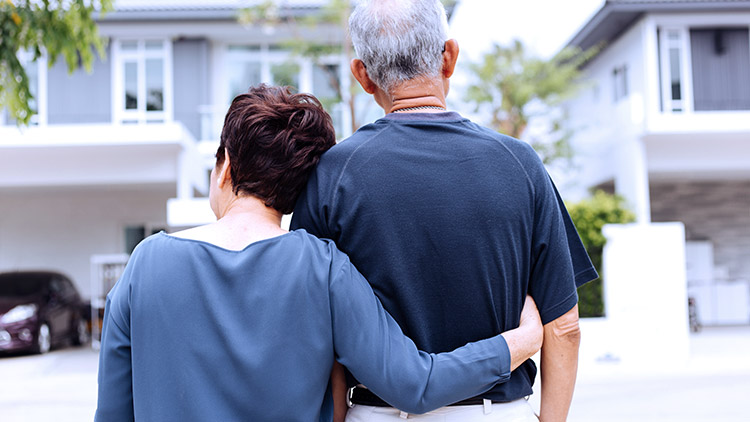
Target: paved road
{"x":59,"y":386}
{"x":714,"y":387}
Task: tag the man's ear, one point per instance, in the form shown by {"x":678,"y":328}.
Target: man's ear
{"x":360,"y":74}
{"x":224,"y":174}
{"x":450,"y":57}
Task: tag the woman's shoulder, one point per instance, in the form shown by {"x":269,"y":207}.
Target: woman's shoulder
{"x":324,"y":248}
{"x":310,"y":241}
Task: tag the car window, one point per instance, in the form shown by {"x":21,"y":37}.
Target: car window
{"x":56,"y":287}
{"x":70,"y":290}
{"x":20,"y":284}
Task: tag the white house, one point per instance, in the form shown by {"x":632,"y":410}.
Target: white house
{"x":109,"y":149}
{"x":664,"y":120}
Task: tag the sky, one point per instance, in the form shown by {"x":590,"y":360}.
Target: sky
{"x":543,"y":25}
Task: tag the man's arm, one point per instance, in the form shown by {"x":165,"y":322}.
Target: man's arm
{"x":559,"y":365}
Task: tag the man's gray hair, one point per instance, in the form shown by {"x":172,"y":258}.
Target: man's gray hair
{"x":399,"y":40}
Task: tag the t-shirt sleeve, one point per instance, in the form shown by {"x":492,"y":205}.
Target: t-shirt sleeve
{"x":115,"y":399}
{"x":370,"y":343}
{"x":582,"y":267}
{"x":560,"y":263}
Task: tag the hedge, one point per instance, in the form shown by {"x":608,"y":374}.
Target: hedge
{"x":589,"y":216}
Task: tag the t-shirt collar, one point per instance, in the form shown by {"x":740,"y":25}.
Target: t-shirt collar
{"x":448,"y":116}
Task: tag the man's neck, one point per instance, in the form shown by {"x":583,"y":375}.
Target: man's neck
{"x":416,"y":96}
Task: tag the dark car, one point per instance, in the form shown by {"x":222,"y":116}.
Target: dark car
{"x":38,"y":310}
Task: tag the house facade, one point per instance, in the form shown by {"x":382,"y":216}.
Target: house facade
{"x":124,"y":151}
{"x":664,"y":120}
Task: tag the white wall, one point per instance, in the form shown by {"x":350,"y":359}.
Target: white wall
{"x":645,"y":295}
{"x":61,"y":229}
{"x":606,"y":130}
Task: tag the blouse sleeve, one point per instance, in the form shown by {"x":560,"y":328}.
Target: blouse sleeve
{"x":370,"y":343}
{"x":115,"y":402}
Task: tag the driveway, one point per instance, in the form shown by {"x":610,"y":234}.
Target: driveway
{"x":59,"y":386}
{"x":714,"y":387}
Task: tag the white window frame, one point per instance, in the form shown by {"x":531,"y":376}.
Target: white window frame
{"x":269,"y":57}
{"x":685,"y":104}
{"x":620,"y":83}
{"x":683,"y":24}
{"x":26,"y":58}
{"x":119,"y":57}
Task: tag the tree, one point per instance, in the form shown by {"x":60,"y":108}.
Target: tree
{"x":516,"y":88}
{"x":54,"y":28}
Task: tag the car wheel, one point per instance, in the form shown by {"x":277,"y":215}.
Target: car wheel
{"x":43,"y":339}
{"x":80,"y":333}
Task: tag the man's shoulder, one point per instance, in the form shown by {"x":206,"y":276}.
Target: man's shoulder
{"x":384,"y":135}
{"x":513,"y":145}
{"x":348,"y":146}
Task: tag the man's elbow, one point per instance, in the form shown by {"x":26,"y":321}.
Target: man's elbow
{"x":565,"y":328}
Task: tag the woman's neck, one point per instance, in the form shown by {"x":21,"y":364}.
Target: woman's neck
{"x":243,"y":221}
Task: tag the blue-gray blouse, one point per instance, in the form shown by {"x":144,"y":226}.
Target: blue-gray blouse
{"x":195,"y":332}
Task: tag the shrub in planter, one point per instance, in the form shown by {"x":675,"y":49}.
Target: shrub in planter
{"x":589,"y":216}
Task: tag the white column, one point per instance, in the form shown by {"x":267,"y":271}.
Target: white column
{"x":632,"y":179}
{"x":645,"y":293}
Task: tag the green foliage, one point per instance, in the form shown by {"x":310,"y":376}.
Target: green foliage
{"x":62,"y":27}
{"x":517,"y":87}
{"x":589,"y":216}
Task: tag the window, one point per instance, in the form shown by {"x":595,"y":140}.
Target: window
{"x":704,"y":68}
{"x":286,"y":74}
{"x":142,"y":88}
{"x":135,"y":234}
{"x":243,"y":69}
{"x":620,"y":82}
{"x":671,"y":62}
{"x":244,"y":66}
{"x":720,"y":65}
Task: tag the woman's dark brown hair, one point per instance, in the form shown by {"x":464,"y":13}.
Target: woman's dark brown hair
{"x":274,"y":140}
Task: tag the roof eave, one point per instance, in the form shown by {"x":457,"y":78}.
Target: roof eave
{"x":191,"y":14}
{"x":618,"y":17}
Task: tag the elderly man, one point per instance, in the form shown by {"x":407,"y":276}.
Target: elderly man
{"x":451,"y":223}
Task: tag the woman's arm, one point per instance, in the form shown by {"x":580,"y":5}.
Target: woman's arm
{"x":372,"y":346}
{"x":115,"y":402}
{"x":526,"y":340}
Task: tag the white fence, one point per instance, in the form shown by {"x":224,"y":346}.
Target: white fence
{"x":105,"y":271}
{"x":645,"y":297}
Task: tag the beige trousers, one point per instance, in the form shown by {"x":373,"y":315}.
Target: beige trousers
{"x":515,"y":411}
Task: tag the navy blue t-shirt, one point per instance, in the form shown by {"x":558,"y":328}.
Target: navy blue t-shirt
{"x":452,"y":224}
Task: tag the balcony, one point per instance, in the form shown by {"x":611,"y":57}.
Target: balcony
{"x":145,"y":155}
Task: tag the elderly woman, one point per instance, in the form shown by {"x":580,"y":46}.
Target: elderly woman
{"x":241,"y":320}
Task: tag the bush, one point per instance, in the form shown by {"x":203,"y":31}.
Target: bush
{"x":589,"y":216}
